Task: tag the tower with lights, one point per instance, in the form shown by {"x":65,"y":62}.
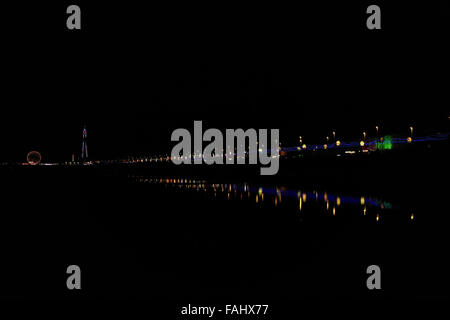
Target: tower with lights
{"x":84,"y":149}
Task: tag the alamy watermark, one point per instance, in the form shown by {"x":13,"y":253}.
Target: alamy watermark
{"x":256,"y":149}
{"x":74,"y":280}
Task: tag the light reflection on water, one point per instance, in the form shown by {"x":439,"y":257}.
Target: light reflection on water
{"x":274,"y":195}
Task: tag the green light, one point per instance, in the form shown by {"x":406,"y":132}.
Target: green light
{"x":387,"y":205}
{"x":386,"y":144}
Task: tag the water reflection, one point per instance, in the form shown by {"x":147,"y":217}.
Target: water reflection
{"x":274,"y":196}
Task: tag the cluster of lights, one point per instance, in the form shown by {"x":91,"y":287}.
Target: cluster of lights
{"x":375,"y":143}
{"x":279,"y":192}
{"x":276,"y":194}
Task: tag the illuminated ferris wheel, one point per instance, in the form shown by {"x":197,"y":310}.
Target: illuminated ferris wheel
{"x":33,"y":158}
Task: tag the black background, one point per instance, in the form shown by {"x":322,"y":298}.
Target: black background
{"x":136,"y":72}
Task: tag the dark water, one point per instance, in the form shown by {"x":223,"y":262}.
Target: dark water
{"x":140,"y":235}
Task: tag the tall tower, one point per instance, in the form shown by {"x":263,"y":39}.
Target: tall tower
{"x":84,"y":149}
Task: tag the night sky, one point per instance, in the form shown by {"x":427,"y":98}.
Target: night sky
{"x":133,"y":74}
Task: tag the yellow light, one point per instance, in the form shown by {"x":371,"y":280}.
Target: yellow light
{"x":304,"y":146}
{"x":260,"y":190}
{"x":364,"y":210}
{"x":257,"y":198}
{"x":328,"y":205}
{"x":304,"y":197}
{"x":300,"y":204}
{"x":325,"y":146}
{"x":378,"y":217}
{"x":412,"y":216}
{"x":338,"y":143}
{"x":334,"y":211}
{"x":409,"y":139}
{"x":361,"y":143}
{"x":338,"y":201}
{"x":363,"y":201}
